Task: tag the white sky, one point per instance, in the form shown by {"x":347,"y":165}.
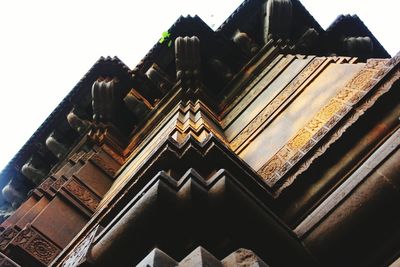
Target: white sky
{"x":46,"y":46}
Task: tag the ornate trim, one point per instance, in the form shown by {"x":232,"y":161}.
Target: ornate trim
{"x":36,"y":245}
{"x":84,"y":158}
{"x":58,"y":183}
{"x":75,"y":157}
{"x":256,"y":87}
{"x":6,"y":236}
{"x":82,"y":194}
{"x":46,"y":184}
{"x":307,"y":137}
{"x":77,"y":255}
{"x":358,"y":112}
{"x":272,"y":106}
{"x":103,"y":165}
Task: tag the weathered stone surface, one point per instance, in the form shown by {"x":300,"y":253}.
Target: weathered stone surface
{"x":187,"y":60}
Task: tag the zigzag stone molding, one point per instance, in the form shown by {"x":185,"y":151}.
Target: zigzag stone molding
{"x":202,"y":258}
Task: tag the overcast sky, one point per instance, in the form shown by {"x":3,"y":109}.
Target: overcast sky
{"x":46,"y":46}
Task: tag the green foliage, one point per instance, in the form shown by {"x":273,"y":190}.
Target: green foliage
{"x":166,"y":37}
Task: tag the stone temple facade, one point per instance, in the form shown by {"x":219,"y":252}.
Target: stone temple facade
{"x":268,"y":142}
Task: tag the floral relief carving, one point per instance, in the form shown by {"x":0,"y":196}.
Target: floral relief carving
{"x":58,"y":183}
{"x":326,"y":119}
{"x":285,"y":153}
{"x":42,"y":249}
{"x":269,"y":169}
{"x":45,"y":185}
{"x":314,"y":125}
{"x":84,"y":196}
{"x":78,"y":254}
{"x":6,"y":236}
{"x":266,"y":113}
{"x":362,"y":79}
{"x":345,"y":94}
{"x":104,"y":165}
{"x":329,"y":110}
{"x":256,"y":88}
{"x":36,"y":245}
{"x":300,"y":140}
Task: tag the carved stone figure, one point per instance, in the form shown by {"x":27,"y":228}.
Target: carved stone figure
{"x":55,"y":147}
{"x":32,"y":172}
{"x":277,"y":19}
{"x":77,"y":123}
{"x":103,"y":99}
{"x":245,"y":43}
{"x":187,"y":60}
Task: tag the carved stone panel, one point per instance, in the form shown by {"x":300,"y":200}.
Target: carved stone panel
{"x":82,"y":194}
{"x":328,"y":116}
{"x":37,"y":246}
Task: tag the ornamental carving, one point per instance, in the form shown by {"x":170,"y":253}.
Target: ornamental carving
{"x":6,"y":236}
{"x":36,"y":245}
{"x":79,"y":253}
{"x":362,"y":79}
{"x":329,"y":110}
{"x":307,"y":137}
{"x":82,"y":194}
{"x":256,"y":87}
{"x":104,"y":165}
{"x":269,"y":169}
{"x":58,"y":183}
{"x":300,"y":140}
{"x":266,"y":113}
{"x":314,"y":125}
{"x":45,"y":185}
{"x":285,"y":153}
{"x":23,"y":237}
{"x":42,"y":249}
{"x":345,"y":95}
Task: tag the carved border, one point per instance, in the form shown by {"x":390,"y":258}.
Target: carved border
{"x":58,"y":183}
{"x":77,"y":255}
{"x":256,"y":87}
{"x":82,"y":194}
{"x":36,"y":245}
{"x":306,"y":138}
{"x":281,"y":98}
{"x":6,"y":236}
{"x":104,"y":165}
{"x":46,"y":184}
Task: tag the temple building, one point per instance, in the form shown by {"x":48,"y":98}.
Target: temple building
{"x":267,"y":142}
